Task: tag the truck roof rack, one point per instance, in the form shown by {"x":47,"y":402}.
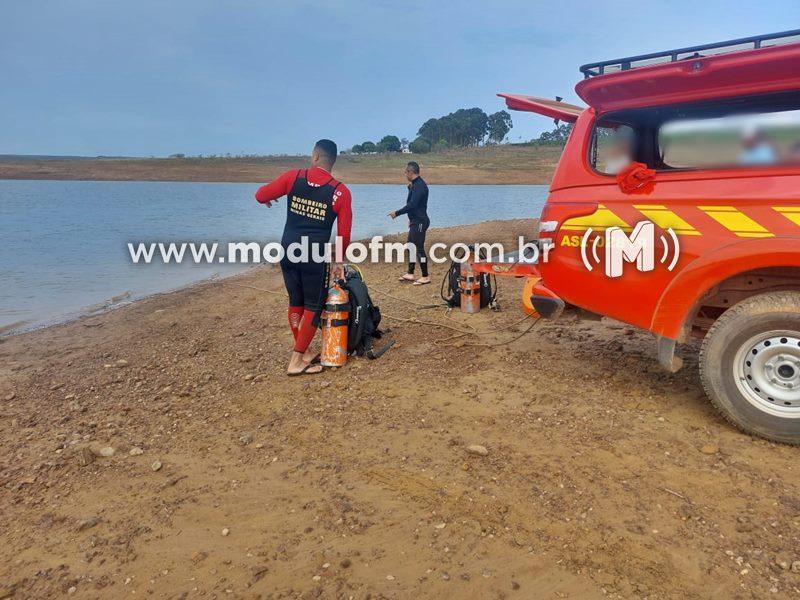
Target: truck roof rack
{"x":647,"y":60}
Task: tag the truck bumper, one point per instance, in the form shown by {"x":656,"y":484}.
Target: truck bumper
{"x":546,"y":303}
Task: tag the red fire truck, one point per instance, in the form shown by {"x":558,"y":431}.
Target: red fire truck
{"x":701,"y":145}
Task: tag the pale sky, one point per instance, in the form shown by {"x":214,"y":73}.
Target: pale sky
{"x":90,"y":77}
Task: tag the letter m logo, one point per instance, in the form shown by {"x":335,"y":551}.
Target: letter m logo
{"x":639,"y":247}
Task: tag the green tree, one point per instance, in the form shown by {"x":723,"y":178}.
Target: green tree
{"x":389,"y":143}
{"x":430,"y":130}
{"x":441,"y":146}
{"x":558,"y":136}
{"x":368,"y":147}
{"x":357,"y":149}
{"x":420,"y":146}
{"x":464,"y":127}
{"x":499,"y":125}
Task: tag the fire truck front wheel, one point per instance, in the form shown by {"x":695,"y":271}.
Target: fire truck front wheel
{"x":750,"y":365}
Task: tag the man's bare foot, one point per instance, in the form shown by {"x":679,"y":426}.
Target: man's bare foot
{"x":407,"y":277}
{"x":299,"y":366}
{"x":311,"y":357}
{"x":422,"y":281}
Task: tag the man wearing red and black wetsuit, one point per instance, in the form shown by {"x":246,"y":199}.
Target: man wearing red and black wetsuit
{"x":314,"y":201}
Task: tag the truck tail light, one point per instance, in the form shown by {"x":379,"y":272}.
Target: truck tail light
{"x":554,"y":214}
{"x":548,"y":226}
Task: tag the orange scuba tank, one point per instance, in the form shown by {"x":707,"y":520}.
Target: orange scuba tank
{"x":470,"y":289}
{"x":335,"y":318}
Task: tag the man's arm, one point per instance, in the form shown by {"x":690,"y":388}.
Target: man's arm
{"x":411,"y":202}
{"x":270,"y":192}
{"x":343,"y":207}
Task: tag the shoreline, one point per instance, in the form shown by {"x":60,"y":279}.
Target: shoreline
{"x":31,"y":326}
{"x":490,"y":165}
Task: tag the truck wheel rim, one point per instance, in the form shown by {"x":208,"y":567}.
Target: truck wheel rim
{"x":768,"y":372}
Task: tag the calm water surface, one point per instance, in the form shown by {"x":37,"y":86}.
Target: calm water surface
{"x":64,"y":242}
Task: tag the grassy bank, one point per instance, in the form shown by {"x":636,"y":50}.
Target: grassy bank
{"x":497,"y":164}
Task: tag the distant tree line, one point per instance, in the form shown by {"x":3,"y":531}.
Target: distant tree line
{"x":389,"y":143}
{"x":464,"y":128}
{"x":227,"y":156}
{"x":559,"y":134}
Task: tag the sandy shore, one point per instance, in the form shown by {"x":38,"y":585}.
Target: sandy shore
{"x":158,"y":450}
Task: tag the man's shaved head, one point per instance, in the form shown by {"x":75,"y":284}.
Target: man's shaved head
{"x":324,"y":153}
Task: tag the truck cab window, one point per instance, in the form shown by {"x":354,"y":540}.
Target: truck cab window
{"x":732,"y":141}
{"x":613,"y":148}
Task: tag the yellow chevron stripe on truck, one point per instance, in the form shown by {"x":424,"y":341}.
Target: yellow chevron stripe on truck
{"x":666,"y":219}
{"x":732,"y":219}
{"x":790,"y":212}
{"x":602,"y":218}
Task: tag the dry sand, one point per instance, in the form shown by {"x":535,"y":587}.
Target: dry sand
{"x":603,"y":477}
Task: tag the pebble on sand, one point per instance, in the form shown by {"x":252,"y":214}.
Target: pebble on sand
{"x":477,"y":449}
{"x":88,"y":523}
{"x":709,"y":449}
{"x":85,"y":456}
{"x":136,"y":451}
{"x":106,"y":451}
{"x":156,"y":466}
{"x":226,"y":532}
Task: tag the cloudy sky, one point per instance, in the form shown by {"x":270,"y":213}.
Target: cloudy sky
{"x":144,"y":78}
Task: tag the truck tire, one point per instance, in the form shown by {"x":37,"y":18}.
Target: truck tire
{"x":750,"y":365}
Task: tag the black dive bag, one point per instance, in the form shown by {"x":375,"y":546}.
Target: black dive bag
{"x":365,"y":318}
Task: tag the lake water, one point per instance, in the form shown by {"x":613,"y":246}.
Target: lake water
{"x":64,"y":243}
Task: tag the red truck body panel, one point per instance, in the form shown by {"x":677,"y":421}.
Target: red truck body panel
{"x":728,"y":221}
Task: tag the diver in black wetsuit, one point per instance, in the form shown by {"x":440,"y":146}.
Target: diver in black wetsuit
{"x":418,"y":222}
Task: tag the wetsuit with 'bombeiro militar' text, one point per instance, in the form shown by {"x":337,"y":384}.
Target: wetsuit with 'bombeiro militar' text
{"x":314,"y":201}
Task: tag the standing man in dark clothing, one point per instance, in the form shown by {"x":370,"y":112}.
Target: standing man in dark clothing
{"x":418,"y":222}
{"x":314,"y":201}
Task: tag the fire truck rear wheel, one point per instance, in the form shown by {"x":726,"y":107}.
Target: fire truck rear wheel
{"x":750,"y":365}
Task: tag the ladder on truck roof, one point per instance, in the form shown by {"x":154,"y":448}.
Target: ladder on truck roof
{"x":655,"y":58}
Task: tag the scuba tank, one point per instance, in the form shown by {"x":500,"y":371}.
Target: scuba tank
{"x":451,"y":285}
{"x":335,"y":318}
{"x":470,"y":288}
